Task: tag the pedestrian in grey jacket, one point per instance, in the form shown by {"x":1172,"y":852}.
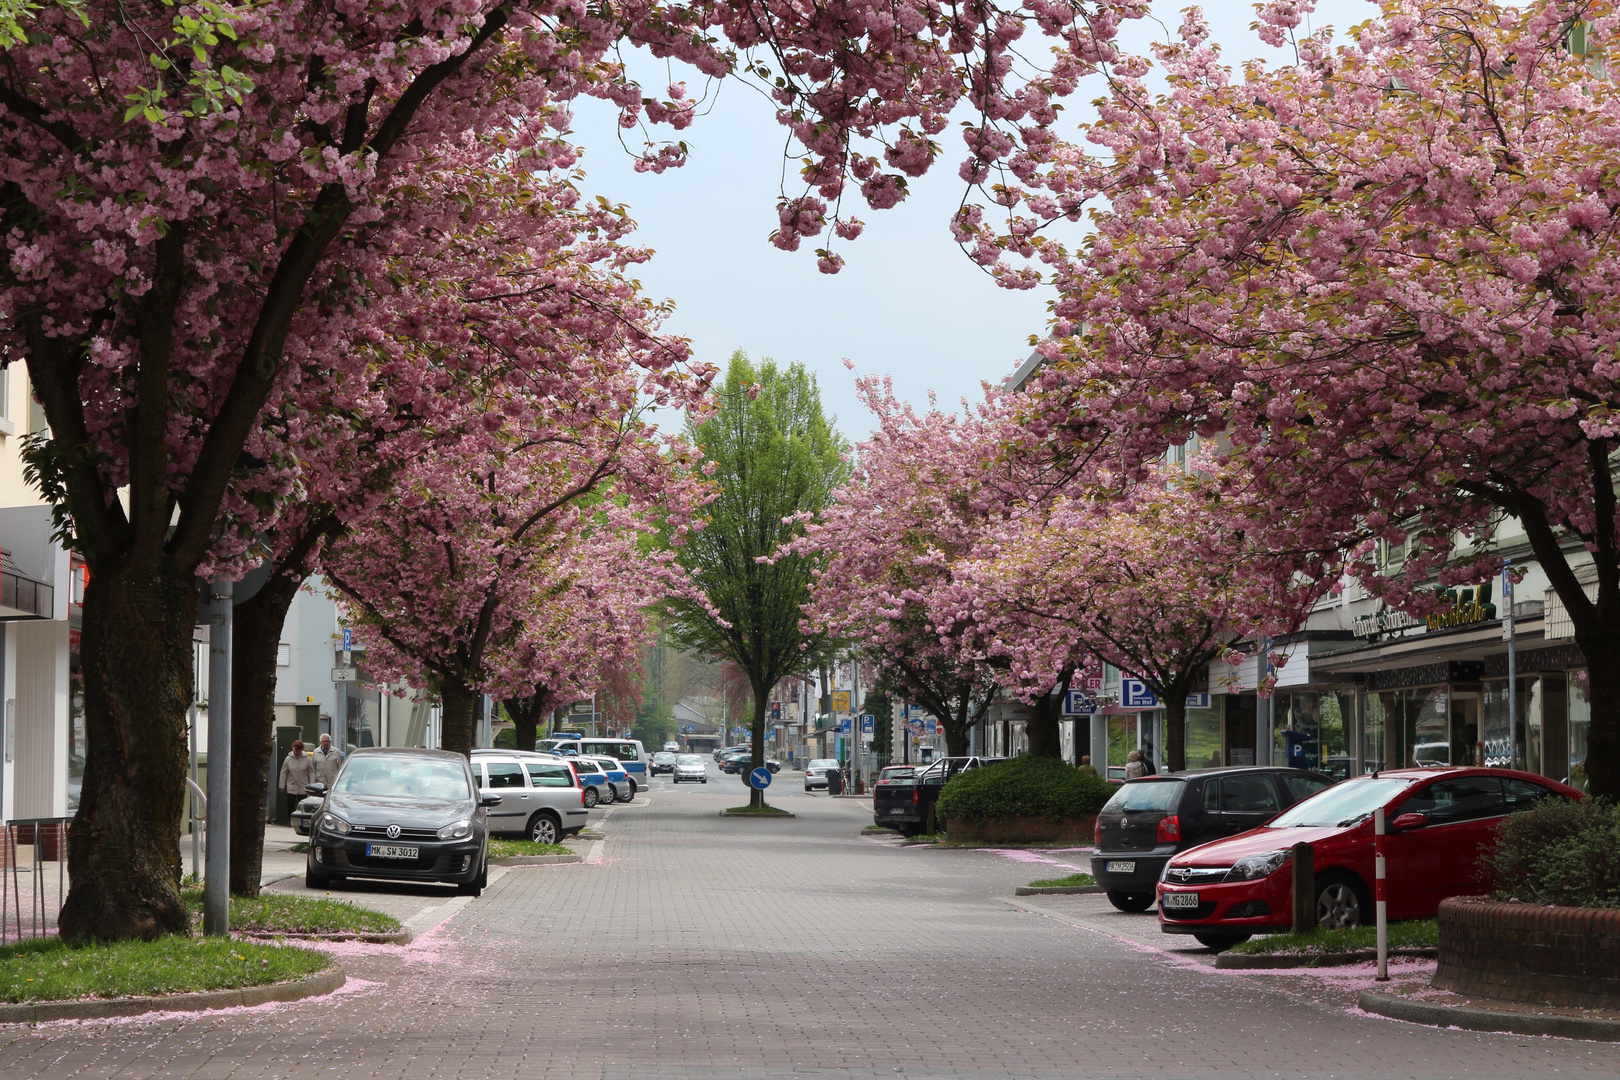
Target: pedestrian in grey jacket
{"x":297,"y":771}
{"x":327,"y":762}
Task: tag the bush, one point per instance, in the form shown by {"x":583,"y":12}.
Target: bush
{"x":1564,"y":853}
{"x":1023,"y":787}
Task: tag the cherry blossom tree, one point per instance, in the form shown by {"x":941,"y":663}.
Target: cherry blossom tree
{"x":494,"y":571}
{"x":917,"y":501}
{"x":1381,"y":273}
{"x":506,"y":294}
{"x":1158,"y":579}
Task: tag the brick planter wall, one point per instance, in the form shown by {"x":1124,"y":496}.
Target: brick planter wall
{"x":1022,"y":830}
{"x":1523,"y":952}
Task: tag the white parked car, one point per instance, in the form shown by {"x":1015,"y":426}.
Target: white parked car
{"x":815,"y":773}
{"x":691,"y":767}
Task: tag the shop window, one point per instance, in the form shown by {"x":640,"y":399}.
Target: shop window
{"x":1203,"y":738}
{"x":1580,"y":725}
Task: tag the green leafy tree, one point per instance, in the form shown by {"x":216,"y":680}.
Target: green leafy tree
{"x":776,"y":462}
{"x":881,"y":706}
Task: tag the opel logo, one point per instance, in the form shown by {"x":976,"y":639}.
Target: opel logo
{"x":393,"y":832}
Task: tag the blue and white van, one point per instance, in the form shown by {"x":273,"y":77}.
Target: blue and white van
{"x":629,"y":753}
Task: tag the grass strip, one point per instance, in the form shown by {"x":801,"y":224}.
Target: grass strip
{"x":877,"y":829}
{"x":756,"y":811}
{"x":1063,"y":882}
{"x":1417,"y":934}
{"x":505,"y":849}
{"x":278,"y":913}
{"x":51,"y":969}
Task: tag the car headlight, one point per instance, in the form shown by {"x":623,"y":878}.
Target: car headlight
{"x":333,"y":823}
{"x":1255,"y":867}
{"x":456,"y":830}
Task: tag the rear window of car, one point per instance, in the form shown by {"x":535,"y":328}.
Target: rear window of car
{"x":1146,"y":795}
{"x":550,"y":775}
{"x":503,"y":774}
{"x":587,"y":768}
{"x":824,"y":763}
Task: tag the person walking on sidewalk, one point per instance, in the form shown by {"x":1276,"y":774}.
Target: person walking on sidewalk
{"x":1134,"y":766}
{"x":297,"y":772}
{"x":327,"y":762}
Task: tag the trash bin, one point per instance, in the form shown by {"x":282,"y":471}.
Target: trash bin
{"x":835,"y":782}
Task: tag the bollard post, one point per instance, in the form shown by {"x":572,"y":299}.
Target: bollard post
{"x":1304,"y":860}
{"x":1378,"y":895}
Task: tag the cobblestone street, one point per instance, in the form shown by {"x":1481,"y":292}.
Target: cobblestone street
{"x":707,"y":947}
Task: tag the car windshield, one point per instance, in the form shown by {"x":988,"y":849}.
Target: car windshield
{"x":689,"y":759}
{"x":1145,"y":795}
{"x":1344,"y":805}
{"x":397,"y":776}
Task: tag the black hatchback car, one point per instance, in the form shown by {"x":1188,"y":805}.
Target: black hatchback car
{"x":1151,"y":818}
{"x":406,"y":815}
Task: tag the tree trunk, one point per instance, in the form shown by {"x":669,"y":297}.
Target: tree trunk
{"x":255,"y":641}
{"x":1045,"y":716}
{"x":756,"y":797}
{"x":124,"y":858}
{"x":525,"y":713}
{"x":1602,"y":763}
{"x":1174,"y":752}
{"x":457,"y":708}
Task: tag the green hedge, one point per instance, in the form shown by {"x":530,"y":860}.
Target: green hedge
{"x":1565,"y":853}
{"x":1023,"y":787}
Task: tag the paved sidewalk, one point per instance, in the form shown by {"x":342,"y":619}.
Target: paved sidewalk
{"x":701,"y":947}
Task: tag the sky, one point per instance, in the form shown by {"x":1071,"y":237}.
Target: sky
{"x":908,"y":303}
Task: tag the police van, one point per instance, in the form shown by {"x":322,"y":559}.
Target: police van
{"x":628,"y":752}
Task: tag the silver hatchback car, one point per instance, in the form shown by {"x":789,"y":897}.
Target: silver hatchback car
{"x":815,"y":773}
{"x":690,"y":767}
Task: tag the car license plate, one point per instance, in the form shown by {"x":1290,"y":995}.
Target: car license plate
{"x":1117,"y":867}
{"x":1180,"y":900}
{"x":897,"y":809}
{"x":391,"y":851}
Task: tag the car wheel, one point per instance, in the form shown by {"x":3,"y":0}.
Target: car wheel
{"x":775,"y":768}
{"x":1220,"y":942}
{"x":591,"y":798}
{"x":705,"y":779}
{"x":634,"y":791}
{"x":1341,"y":901}
{"x":543,"y":829}
{"x":312,"y":880}
{"x":1130,"y":901}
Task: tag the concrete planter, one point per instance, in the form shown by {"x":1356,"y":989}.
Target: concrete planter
{"x":1530,"y":953}
{"x":1022,"y":830}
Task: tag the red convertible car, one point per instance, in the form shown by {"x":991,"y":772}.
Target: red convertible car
{"x":1437,"y":821}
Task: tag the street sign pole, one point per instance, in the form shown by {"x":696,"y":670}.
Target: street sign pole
{"x":216,"y":883}
{"x":1512,"y":658}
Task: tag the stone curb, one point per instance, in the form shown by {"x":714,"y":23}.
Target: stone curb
{"x":536,"y":860}
{"x":1261,"y":961}
{"x":1472,"y":1019}
{"x":398,"y":937}
{"x":762,"y":817}
{"x":105,"y":1009}
{"x":1059,"y":890}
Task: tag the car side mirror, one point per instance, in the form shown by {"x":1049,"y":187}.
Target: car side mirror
{"x":1408,"y":821}
{"x":489,"y":799}
{"x":316,"y":788}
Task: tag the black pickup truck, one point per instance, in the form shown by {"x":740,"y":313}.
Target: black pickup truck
{"x":906,"y":803}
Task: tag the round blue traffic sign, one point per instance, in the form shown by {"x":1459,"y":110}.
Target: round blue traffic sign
{"x":760,"y":778}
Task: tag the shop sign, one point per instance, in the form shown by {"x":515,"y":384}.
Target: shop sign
{"x":1461,"y":615}
{"x":1383,"y":621}
{"x":1134,"y":694}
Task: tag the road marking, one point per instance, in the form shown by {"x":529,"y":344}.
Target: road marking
{"x":420,"y":923}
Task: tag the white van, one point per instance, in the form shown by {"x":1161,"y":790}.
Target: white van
{"x":628,"y":752}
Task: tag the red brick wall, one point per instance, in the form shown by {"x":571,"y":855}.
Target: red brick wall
{"x":1529,"y":953}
